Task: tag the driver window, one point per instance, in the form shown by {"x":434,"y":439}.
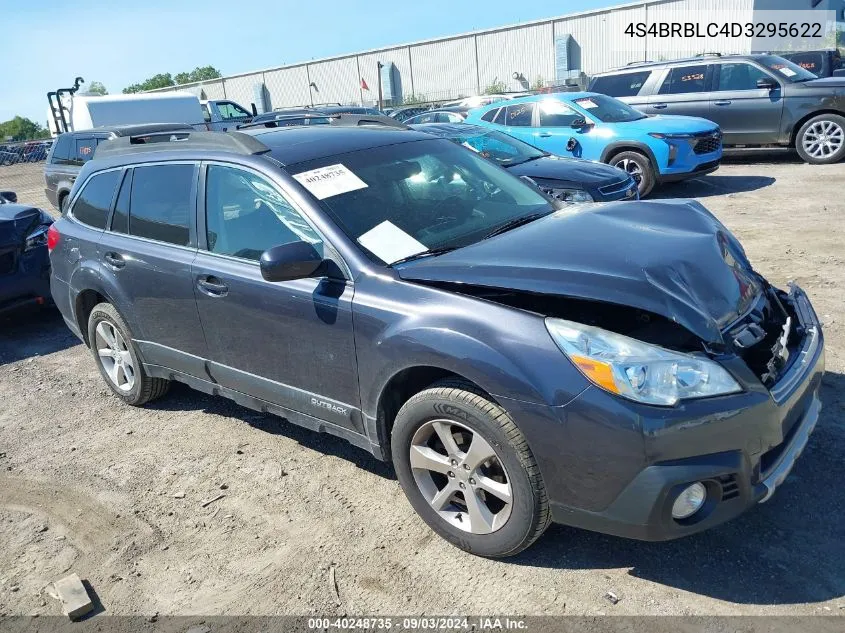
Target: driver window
{"x":245,"y":215}
{"x":557,"y":114}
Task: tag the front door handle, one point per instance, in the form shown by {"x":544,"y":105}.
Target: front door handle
{"x":722,"y":103}
{"x":114,"y":260}
{"x":212,"y":286}
{"x":660,"y":106}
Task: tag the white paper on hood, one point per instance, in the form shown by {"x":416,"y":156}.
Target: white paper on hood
{"x":390,"y":243}
{"x":333,"y":180}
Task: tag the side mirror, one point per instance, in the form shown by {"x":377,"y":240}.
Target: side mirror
{"x":9,"y":196}
{"x":579,"y":123}
{"x":296,"y":260}
{"x":764,"y":83}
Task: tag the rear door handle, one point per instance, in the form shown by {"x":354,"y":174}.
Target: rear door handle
{"x":660,"y":106}
{"x":114,"y":260}
{"x":213,"y":286}
{"x":722,"y":103}
{"x":544,"y":135}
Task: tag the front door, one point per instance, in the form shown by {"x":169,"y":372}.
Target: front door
{"x":748,"y":115}
{"x":289,"y":343}
{"x":553,"y":131}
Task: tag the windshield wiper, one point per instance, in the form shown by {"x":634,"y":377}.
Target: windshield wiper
{"x":514,"y":223}
{"x":527,"y":160}
{"x":440,"y":250}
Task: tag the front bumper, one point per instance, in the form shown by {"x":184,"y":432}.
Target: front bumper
{"x":616,"y":467}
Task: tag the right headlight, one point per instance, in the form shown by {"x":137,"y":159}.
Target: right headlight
{"x":636,"y":370}
{"x":569,"y":195}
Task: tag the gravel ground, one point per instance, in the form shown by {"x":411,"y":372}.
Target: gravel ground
{"x":115,"y":494}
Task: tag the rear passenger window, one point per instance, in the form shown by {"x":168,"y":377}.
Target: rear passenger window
{"x":85,"y":149}
{"x":94,"y":201}
{"x":160,"y":203}
{"x":685,"y":79}
{"x":519,"y":115}
{"x":625,"y":85}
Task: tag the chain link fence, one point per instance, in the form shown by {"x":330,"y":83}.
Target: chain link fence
{"x":22,"y":171}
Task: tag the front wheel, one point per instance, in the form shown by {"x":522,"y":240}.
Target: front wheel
{"x":821,"y":140}
{"x":639,"y":167}
{"x":468,"y":472}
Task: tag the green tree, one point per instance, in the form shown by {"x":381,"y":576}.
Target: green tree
{"x":22,"y":129}
{"x":97,"y":88}
{"x":161,"y":80}
{"x":200,"y":73}
{"x":497,"y":87}
{"x":538,"y":84}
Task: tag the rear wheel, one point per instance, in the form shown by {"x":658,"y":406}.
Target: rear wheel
{"x":639,"y":167}
{"x":118,"y":359}
{"x":468,"y":472}
{"x":821,"y":140}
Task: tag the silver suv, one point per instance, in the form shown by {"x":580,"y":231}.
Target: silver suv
{"x":757,"y":100}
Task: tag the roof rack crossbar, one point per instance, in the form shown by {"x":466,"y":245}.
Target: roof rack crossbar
{"x":234,"y":142}
{"x":341,"y":119}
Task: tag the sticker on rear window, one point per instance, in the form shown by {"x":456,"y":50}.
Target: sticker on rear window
{"x":587,"y":104}
{"x":333,"y":180}
{"x":390,"y":243}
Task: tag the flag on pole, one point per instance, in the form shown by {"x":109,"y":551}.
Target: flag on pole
{"x":364,"y":85}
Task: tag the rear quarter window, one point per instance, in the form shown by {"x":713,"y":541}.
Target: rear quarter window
{"x":161,"y":202}
{"x":62,"y":149}
{"x":622,"y":85}
{"x":94,"y":201}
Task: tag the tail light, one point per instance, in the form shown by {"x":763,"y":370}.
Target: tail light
{"x":53,"y":237}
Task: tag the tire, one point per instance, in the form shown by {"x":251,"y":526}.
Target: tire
{"x":639,"y":166}
{"x":456,"y":408}
{"x":821,"y":140}
{"x":105,"y":319}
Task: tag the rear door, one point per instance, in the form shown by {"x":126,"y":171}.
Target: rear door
{"x":684,"y":90}
{"x":147,"y":256}
{"x":748,"y":115}
{"x":289,"y":343}
{"x":518,"y":121}
{"x":632,"y":87}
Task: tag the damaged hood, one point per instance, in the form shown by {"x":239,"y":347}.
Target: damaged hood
{"x":672,"y":258}
{"x":18,"y":221}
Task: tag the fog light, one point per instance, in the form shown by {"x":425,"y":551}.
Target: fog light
{"x":689,"y":501}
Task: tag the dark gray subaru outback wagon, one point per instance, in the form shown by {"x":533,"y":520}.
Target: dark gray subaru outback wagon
{"x":616,"y":367}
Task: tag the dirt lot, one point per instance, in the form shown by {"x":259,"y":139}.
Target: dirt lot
{"x":115,"y":494}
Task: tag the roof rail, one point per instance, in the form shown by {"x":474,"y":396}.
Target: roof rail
{"x":342,"y":119}
{"x":709,"y":55}
{"x":640,"y":62}
{"x":234,"y":142}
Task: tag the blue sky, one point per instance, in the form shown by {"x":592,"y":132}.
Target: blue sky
{"x":46,"y":43}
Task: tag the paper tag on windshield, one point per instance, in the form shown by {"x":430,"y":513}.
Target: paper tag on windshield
{"x":390,"y":243}
{"x":587,"y":104}
{"x":787,"y":71}
{"x":333,"y":180}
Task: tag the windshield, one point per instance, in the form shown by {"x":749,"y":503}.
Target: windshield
{"x":401,"y":200}
{"x":499,"y":147}
{"x":786,"y":69}
{"x":609,"y":110}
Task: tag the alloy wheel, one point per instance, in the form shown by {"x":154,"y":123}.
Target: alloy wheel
{"x":114,"y":356}
{"x":461,"y":476}
{"x":823,"y":139}
{"x":632,"y":167}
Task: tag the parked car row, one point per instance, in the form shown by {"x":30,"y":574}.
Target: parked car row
{"x":29,"y":152}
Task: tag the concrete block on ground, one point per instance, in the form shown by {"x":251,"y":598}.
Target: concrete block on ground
{"x":74,"y":597}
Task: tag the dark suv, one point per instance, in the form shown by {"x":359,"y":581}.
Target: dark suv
{"x":757,"y":100}
{"x":618,"y":367}
{"x":72,"y":150}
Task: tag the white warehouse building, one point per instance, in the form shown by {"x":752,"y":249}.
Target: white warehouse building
{"x":551,"y":51}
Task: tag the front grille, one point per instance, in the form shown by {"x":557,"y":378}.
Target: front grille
{"x":730,"y":488}
{"x":7,"y":262}
{"x":708,"y":143}
{"x":617,"y":187}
